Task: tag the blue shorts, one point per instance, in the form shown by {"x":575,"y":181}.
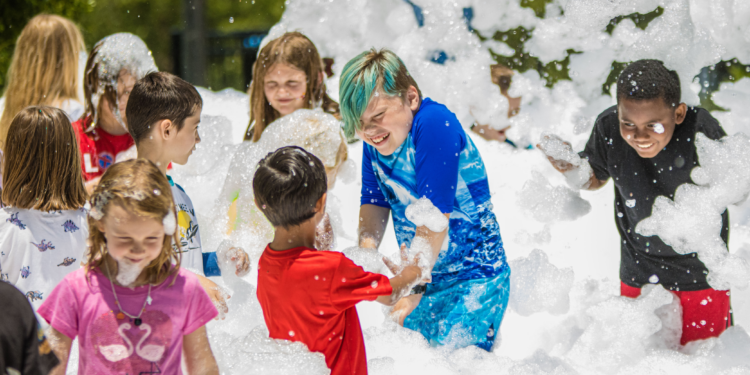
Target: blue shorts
{"x":463,"y":312}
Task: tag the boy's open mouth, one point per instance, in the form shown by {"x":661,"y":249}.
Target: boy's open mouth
{"x":644,"y":147}
{"x":380,"y":139}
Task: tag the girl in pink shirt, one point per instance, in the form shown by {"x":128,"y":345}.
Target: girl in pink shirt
{"x":133,"y":309}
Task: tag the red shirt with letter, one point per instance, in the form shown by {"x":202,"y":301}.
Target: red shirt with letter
{"x":99,"y":149}
{"x":309,"y":296}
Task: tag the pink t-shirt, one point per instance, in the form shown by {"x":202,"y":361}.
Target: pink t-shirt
{"x":85,"y":307}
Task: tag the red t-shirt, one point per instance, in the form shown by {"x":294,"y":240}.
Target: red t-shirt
{"x":89,"y":158}
{"x":106,"y":148}
{"x":309,"y":296}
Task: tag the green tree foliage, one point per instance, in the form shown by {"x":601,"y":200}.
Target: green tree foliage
{"x":152,"y":20}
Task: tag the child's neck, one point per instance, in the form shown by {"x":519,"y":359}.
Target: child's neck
{"x":155,"y":154}
{"x":302,"y":235}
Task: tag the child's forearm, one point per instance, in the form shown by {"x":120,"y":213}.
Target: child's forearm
{"x":60,"y":345}
{"x":401,"y":285}
{"x":199,"y":359}
{"x":372,"y":222}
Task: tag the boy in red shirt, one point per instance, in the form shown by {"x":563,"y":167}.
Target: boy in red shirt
{"x":309,"y":295}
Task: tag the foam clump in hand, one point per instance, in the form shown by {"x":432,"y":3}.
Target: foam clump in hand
{"x":579,"y":175}
{"x":536,"y":285}
{"x":548,"y":203}
{"x":692,"y":222}
{"x":424,"y":213}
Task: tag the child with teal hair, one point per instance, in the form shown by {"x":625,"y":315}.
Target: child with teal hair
{"x":415,"y":147}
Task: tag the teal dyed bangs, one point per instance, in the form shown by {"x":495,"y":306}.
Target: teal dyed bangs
{"x":360,"y":78}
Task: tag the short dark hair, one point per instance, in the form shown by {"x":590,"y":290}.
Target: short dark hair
{"x":647,"y":80}
{"x":160,"y":96}
{"x":287,"y":185}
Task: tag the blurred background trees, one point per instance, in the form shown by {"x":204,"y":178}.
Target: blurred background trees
{"x":213,"y":43}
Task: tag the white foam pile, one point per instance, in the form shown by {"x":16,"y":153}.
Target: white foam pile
{"x":691,"y":223}
{"x":565,"y":315}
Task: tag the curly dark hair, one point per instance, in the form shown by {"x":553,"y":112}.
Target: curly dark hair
{"x":647,"y":80}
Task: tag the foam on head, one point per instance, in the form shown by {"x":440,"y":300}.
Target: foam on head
{"x":113,"y":54}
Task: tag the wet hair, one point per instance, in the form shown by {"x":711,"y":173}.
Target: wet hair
{"x":111,"y":55}
{"x":41,"y":163}
{"x":293,"y":49}
{"x":160,"y":96}
{"x":648,"y":80}
{"x":138,"y":187}
{"x":287,"y":185}
{"x":44,"y":67}
{"x":370,"y":71}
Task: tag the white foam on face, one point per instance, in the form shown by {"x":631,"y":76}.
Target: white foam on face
{"x":170,"y":224}
{"x":128,"y":272}
{"x":692,"y":222}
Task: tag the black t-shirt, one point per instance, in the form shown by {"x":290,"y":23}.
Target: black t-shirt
{"x":23,"y":347}
{"x":638,"y":181}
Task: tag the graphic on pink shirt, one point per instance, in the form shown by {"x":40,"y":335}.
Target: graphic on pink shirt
{"x":124,"y":347}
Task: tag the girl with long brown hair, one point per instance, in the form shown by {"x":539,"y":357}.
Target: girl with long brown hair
{"x":287,"y":76}
{"x":44,"y":69}
{"x":43,"y":226}
{"x":133,"y":308}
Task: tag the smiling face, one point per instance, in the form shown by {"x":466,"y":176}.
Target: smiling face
{"x":285,"y":87}
{"x":183,"y":143}
{"x":648,"y":125}
{"x":132,"y":240}
{"x":387,"y":120}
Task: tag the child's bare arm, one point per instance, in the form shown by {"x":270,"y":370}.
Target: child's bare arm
{"x":372,"y":222}
{"x":218,"y":297}
{"x":197,"y":351}
{"x":61,"y":347}
{"x":406,"y":277}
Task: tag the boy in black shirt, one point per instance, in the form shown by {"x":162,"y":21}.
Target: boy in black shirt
{"x":646,"y":145}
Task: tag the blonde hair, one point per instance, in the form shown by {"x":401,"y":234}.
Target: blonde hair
{"x":296,"y":50}
{"x":137,"y":186}
{"x":44,"y":68}
{"x":42,"y":162}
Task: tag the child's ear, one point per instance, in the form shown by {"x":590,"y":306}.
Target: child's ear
{"x":166,"y":129}
{"x":320,"y":205}
{"x":412,"y":98}
{"x":100,"y":226}
{"x":680,"y":113}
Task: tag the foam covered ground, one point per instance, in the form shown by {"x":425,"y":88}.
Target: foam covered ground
{"x":565,"y":315}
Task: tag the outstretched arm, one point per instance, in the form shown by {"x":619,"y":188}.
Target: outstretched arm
{"x":372,"y":222}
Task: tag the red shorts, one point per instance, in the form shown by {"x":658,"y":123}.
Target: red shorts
{"x":705,"y":313}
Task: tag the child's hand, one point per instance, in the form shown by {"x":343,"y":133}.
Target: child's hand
{"x":557,"y":151}
{"x":404,"y":307}
{"x":407,"y":265}
{"x":217,"y":294}
{"x":241,"y":260}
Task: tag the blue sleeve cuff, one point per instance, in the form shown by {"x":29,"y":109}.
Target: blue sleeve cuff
{"x":211,"y":264}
